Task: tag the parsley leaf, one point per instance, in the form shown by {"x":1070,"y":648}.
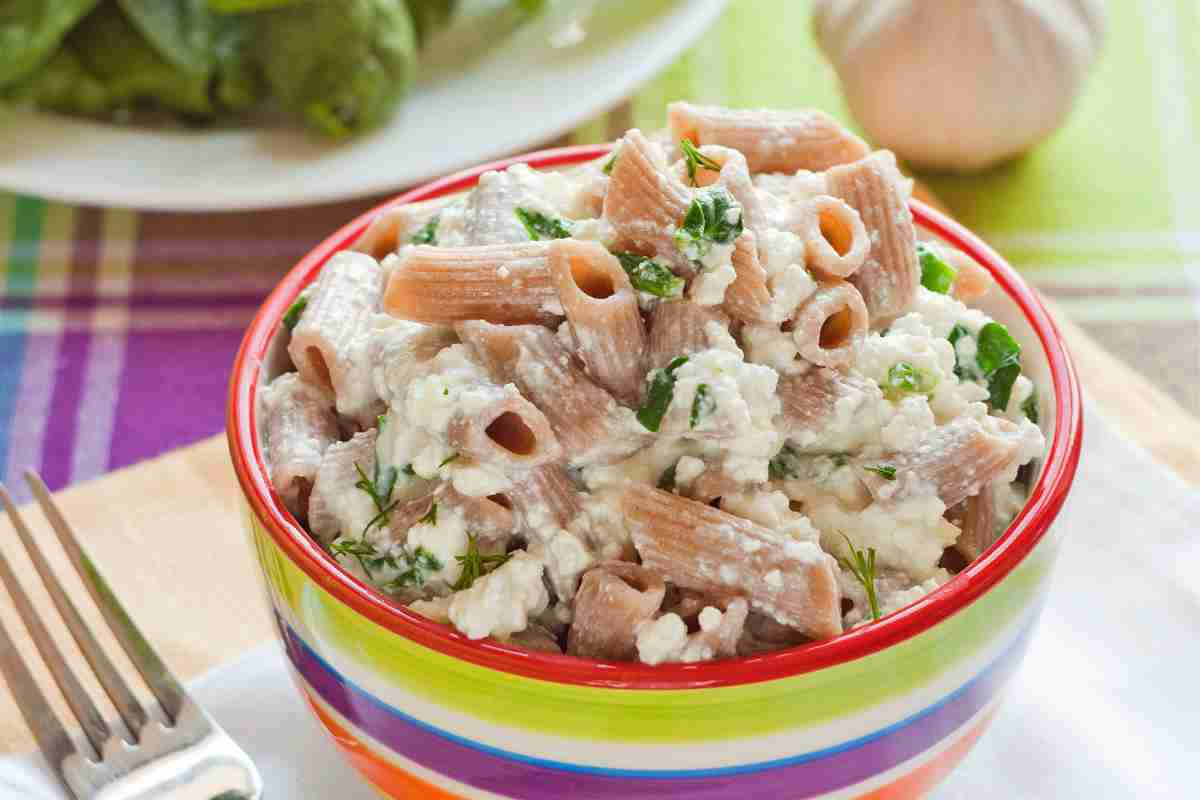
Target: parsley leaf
{"x":540,"y":226}
{"x":430,"y":517}
{"x":703,"y":404}
{"x":427,"y":233}
{"x":999,"y":356}
{"x":936,"y":274}
{"x":418,"y":565}
{"x":666,"y":481}
{"x":694,"y":158}
{"x":292,"y":315}
{"x":475,"y":564}
{"x":649,"y":276}
{"x":658,"y":398}
{"x":885,"y":471}
{"x":1030,"y":407}
{"x":783,"y":465}
{"x":862,"y":566}
{"x":714,"y":217}
{"x":904,"y":378}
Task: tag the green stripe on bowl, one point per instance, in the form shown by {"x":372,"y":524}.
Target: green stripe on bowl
{"x":658,"y":715}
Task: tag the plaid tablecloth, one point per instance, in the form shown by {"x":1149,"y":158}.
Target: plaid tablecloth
{"x":117,"y":329}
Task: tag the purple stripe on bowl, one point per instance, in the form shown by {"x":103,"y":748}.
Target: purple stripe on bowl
{"x":529,"y":778}
{"x":139,"y":299}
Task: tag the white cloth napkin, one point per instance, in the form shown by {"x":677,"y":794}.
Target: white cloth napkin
{"x":1105,"y":705}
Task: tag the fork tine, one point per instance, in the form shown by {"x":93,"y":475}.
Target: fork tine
{"x":48,"y":730}
{"x":110,"y":679}
{"x":162,"y":683}
{"x":93,"y":724}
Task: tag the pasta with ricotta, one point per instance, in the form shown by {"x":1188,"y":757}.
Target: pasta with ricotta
{"x":707,"y":396}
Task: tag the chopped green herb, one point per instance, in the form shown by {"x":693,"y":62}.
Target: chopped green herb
{"x":612,"y":162}
{"x":965,"y":372}
{"x":365,"y":553}
{"x":292,"y":315}
{"x":936,"y":274}
{"x":418,"y":565}
{"x":862,"y":566}
{"x":714,"y":217}
{"x":694,"y":158}
{"x":430,"y":517}
{"x":382,"y":418}
{"x":448,"y":460}
{"x":1030,"y":407}
{"x":784,"y":465}
{"x":647,"y":275}
{"x":427,"y":233}
{"x":475,"y":564}
{"x":540,"y":226}
{"x":445,"y":391}
{"x":839,"y":459}
{"x":408,"y":470}
{"x":885,"y":471}
{"x":658,"y":398}
{"x":999,"y":356}
{"x":379,"y":489}
{"x":703,"y":404}
{"x":666,"y":481}
{"x":904,"y":378}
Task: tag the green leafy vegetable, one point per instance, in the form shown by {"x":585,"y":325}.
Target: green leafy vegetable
{"x":785,"y":464}
{"x":965,"y":372}
{"x":658,"y":398}
{"x":31,"y":31}
{"x":1030,"y":407}
{"x":292,"y":315}
{"x":713,"y":217}
{"x":61,"y":84}
{"x":904,"y":378}
{"x":936,"y":274}
{"x":475,"y":564}
{"x":999,"y":357}
{"x":703,"y":404}
{"x":694,"y":159}
{"x":417,"y":567}
{"x":608,"y":165}
{"x":862,"y":566}
{"x":246,"y":6}
{"x":540,"y":226}
{"x":430,"y":517}
{"x":649,"y":276}
{"x":666,"y":481}
{"x":341,"y":65}
{"x":430,"y":16}
{"x":886,"y":471}
{"x":428,"y":232}
{"x":181,"y":31}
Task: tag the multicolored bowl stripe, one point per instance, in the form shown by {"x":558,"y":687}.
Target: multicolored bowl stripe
{"x":421,"y":724}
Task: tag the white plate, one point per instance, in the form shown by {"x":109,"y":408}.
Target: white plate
{"x":517,"y":93}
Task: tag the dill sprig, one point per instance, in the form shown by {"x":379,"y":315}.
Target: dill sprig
{"x":862,"y":566}
{"x":365,"y":553}
{"x":476,"y":564}
{"x":417,"y":566}
{"x":379,"y":489}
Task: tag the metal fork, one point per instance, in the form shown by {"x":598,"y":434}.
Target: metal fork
{"x":189,"y":758}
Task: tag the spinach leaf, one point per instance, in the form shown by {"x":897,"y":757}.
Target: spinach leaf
{"x":658,"y":398}
{"x":1030,"y":407}
{"x":703,"y":404}
{"x":32,"y":30}
{"x":936,"y":274}
{"x":714,"y":217}
{"x":999,"y":356}
{"x":341,"y":64}
{"x":427,"y":234}
{"x":430,"y":16}
{"x":649,"y":276}
{"x":63,"y":84}
{"x":964,"y":372}
{"x":181,"y":31}
{"x":542,"y":226}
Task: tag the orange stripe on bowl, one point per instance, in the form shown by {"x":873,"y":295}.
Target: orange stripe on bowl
{"x":921,"y":780}
{"x":386,"y":777}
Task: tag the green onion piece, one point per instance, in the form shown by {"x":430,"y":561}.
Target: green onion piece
{"x":427,"y":234}
{"x":649,"y":276}
{"x":658,"y":398}
{"x":936,"y":274}
{"x":703,"y":404}
{"x":292,"y":315}
{"x":540,"y":226}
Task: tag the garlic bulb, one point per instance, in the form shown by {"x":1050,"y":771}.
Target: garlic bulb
{"x":960,"y":84}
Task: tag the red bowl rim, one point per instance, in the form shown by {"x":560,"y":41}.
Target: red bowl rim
{"x":1043,"y":505}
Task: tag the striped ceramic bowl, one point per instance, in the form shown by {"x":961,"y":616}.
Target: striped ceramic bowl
{"x":884,"y":711}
